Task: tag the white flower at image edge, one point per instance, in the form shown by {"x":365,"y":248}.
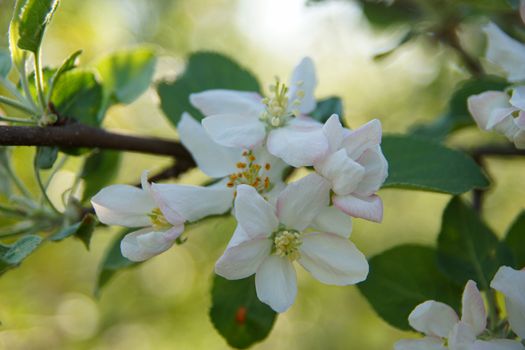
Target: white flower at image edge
{"x":505,"y":52}
{"x":161,"y":221}
{"x":440,"y":324}
{"x":268,"y":238}
{"x":247,"y":120}
{"x":511,"y":283}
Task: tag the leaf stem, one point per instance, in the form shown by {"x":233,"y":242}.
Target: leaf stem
{"x":18,"y":183}
{"x":16,"y":120}
{"x":45,"y":197}
{"x":16,"y":104}
{"x":39,"y":80}
{"x":25,"y":86}
{"x":12,"y":89}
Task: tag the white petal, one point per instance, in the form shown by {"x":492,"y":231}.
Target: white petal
{"x":123,"y":205}
{"x":461,"y":337}
{"x":253,"y":213}
{"x":433,"y":318}
{"x":146,"y":186}
{"x":518,"y":97}
{"x":508,"y":127}
{"x":332,"y":220}
{"x":519,"y":139}
{"x":302,"y":201}
{"x":276,"y":283}
{"x":333,"y":130}
{"x":213,"y":159}
{"x":194,"y":202}
{"x":497,"y":344}
{"x":146,"y":243}
{"x":304,"y":78}
{"x":489,"y":108}
{"x":243,"y":260}
{"x":297,"y":145}
{"x":511,"y":283}
{"x":427,"y":343}
{"x":506,"y":52}
{"x":363,"y":138}
{"x":211,"y":102}
{"x":344,"y":173}
{"x":376,"y":171}
{"x":473,"y":309}
{"x":235,"y":130}
{"x":332,"y":259}
{"x":368,"y":208}
{"x":277,"y":166}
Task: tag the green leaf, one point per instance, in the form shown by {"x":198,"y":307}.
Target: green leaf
{"x":515,"y":240}
{"x":13,"y":255}
{"x":397,"y":13}
{"x":35,"y":16}
{"x":99,"y":170}
{"x":420,"y":164}
{"x":326,"y":107}
{"x":83,"y":230}
{"x":5,"y":62}
{"x":402,"y":278}
{"x":112,"y":263}
{"x":237,"y":313}
{"x":457,"y":115}
{"x":68,"y":64}
{"x":46,"y":157}
{"x":78,"y":95}
{"x":204,"y":71}
{"x":127,"y":74}
{"x":18,"y":56}
{"x":467,"y":248}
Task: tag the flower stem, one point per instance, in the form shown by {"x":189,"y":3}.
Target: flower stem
{"x":45,"y":197}
{"x":16,"y":180}
{"x":16,"y":104}
{"x":25,"y":86}
{"x":16,"y":120}
{"x":12,"y":89}
{"x":39,"y":80}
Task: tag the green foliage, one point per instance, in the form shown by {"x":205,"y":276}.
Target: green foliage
{"x":99,"y":170}
{"x":5,"y":62}
{"x":126,"y":74}
{"x":46,"y":157}
{"x":403,"y":277}
{"x":467,"y":248}
{"x":457,"y":115}
{"x":82,"y":230}
{"x":399,"y":12}
{"x":326,"y":107}
{"x":78,"y":95}
{"x":13,"y":255}
{"x":424,"y":165}
{"x":18,"y":56}
{"x":68,"y":64}
{"x":34,"y":18}
{"x":112,"y":263}
{"x":205,"y":70}
{"x":237,"y":313}
{"x":515,"y":240}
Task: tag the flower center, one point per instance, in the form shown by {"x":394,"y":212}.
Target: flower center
{"x":251,"y":173}
{"x":278,"y":111}
{"x":286,"y":244}
{"x":158,"y":220}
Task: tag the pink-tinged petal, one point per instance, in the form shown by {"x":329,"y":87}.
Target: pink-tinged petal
{"x":192,"y":203}
{"x":473,"y":309}
{"x":332,"y":259}
{"x":368,"y":208}
{"x":212,"y":102}
{"x":297,"y":145}
{"x":511,"y":283}
{"x":489,"y":108}
{"x":363,"y":138}
{"x":213,"y":159}
{"x":376,"y":171}
{"x":235,"y":130}
{"x":253,"y":213}
{"x":333,"y":130}
{"x":243,"y":260}
{"x":301,"y":201}
{"x":123,"y":205}
{"x":146,"y":243}
{"x":433,"y":318}
{"x":332,"y":220}
{"x":518,"y":97}
{"x":497,"y":344}
{"x":276,"y":283}
{"x":426,"y":343}
{"x":343,"y":173}
{"x":304,"y":79}
{"x":506,"y":52}
{"x":461,"y":337}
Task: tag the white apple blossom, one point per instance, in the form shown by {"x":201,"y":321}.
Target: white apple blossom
{"x":246,"y":120}
{"x":505,"y":52}
{"x":496,"y":111}
{"x":511,"y":283}
{"x":444,"y":330}
{"x":355,"y":167}
{"x":300,"y":226}
{"x":161,"y":221}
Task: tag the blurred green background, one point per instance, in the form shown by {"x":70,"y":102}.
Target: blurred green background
{"x":48,"y":302}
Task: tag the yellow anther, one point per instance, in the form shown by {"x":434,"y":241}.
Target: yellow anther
{"x":286,"y":243}
{"x":241,"y":165}
{"x":158,"y":220}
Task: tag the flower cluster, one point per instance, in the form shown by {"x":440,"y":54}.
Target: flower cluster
{"x":245,"y":143}
{"x":443,"y":328}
